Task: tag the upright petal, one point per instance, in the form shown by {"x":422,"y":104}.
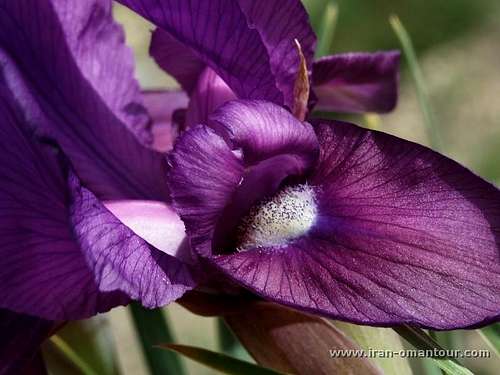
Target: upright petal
{"x":357,"y":82}
{"x":63,"y":255}
{"x":250,"y":47}
{"x":403,"y":235}
{"x":20,"y":340}
{"x":210,"y":93}
{"x":65,"y":64}
{"x":176,"y":58}
{"x":97,"y":46}
{"x":279,"y":24}
{"x":217,"y":31}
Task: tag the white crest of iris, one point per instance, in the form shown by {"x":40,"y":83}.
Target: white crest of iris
{"x":278,"y":220}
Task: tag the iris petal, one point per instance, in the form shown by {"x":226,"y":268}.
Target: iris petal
{"x":20,"y":340}
{"x":404,"y":235}
{"x":66,"y":65}
{"x":218,"y":173}
{"x":210,"y":93}
{"x":42,"y":271}
{"x":356,"y":82}
{"x":251,"y":47}
{"x":121,"y":260}
{"x":176,"y":58}
{"x":62,"y":254}
{"x":263,"y":130}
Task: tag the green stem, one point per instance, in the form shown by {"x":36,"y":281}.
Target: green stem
{"x":152,"y":329}
{"x":73,"y":356}
{"x":416,"y":72}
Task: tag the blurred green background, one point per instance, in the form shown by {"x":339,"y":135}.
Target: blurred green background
{"x":457,"y":42}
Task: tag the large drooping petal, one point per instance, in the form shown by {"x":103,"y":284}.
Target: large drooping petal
{"x":403,"y":235}
{"x":250,"y":46}
{"x":42,"y":271}
{"x":217,"y":175}
{"x":63,"y":255}
{"x":167,"y":111}
{"x":20,"y":338}
{"x":356,"y":82}
{"x":66,"y":65}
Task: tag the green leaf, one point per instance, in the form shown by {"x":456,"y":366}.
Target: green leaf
{"x":219,"y":362}
{"x":327,"y":29}
{"x":416,"y":72}
{"x":91,"y":339}
{"x":227,"y":341}
{"x":72,"y":356}
{"x":421,"y":340}
{"x":491,"y":335}
{"x":152,"y":328}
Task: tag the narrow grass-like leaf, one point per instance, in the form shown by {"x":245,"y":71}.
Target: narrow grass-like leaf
{"x":422,"y":341}
{"x":152,"y":329}
{"x":416,"y":72}
{"x":91,"y":339}
{"x":491,"y":335}
{"x":219,"y":362}
{"x":72,"y":356}
{"x":327,"y":29}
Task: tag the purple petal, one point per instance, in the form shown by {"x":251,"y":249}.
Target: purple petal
{"x":97,"y":46}
{"x":44,"y":271}
{"x":66,"y":66}
{"x":164,"y":106}
{"x":250,"y":47}
{"x":176,"y":58}
{"x":20,"y":340}
{"x":262,"y":130}
{"x":279,"y":24}
{"x":210,"y":93}
{"x":357,"y":82}
{"x":155,"y":222}
{"x":225,"y":43}
{"x":123,"y":261}
{"x":403,"y":235}
{"x":205,"y":173}
{"x":215,"y":177}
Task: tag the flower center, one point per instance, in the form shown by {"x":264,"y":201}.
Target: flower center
{"x":274,"y":222}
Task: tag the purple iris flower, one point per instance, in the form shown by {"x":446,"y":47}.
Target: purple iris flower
{"x":323,"y":216}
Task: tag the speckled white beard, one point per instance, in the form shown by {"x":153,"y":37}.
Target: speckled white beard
{"x":278,"y":220}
